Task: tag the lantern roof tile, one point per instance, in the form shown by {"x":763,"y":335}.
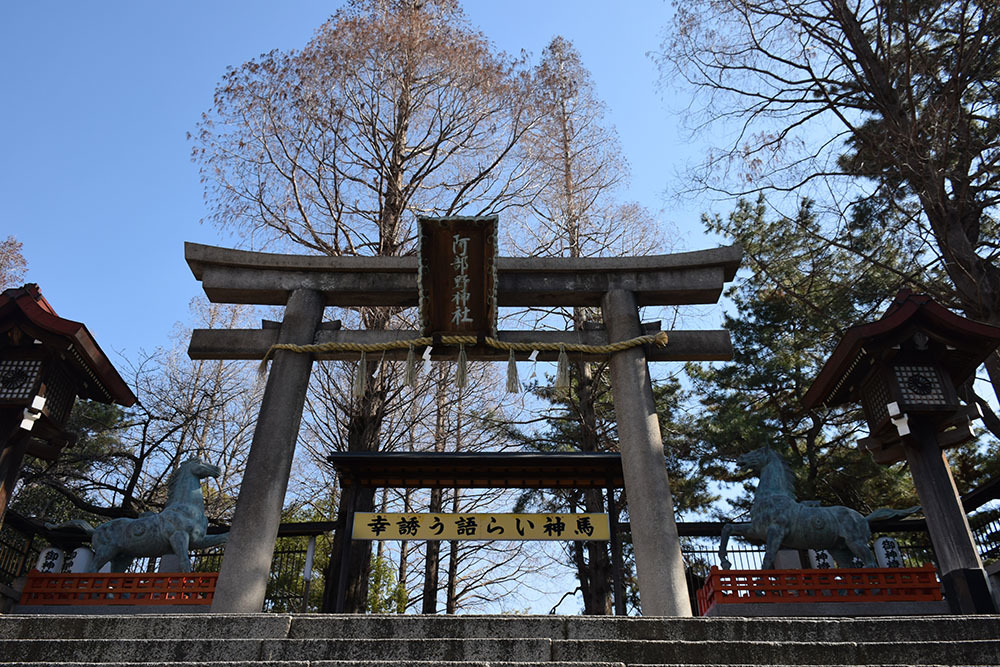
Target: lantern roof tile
{"x":964,"y":345}
{"x":26,"y":308}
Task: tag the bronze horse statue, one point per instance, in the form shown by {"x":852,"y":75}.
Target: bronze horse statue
{"x":181,"y":525}
{"x":777,"y":519}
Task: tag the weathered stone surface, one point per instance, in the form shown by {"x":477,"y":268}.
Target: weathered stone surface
{"x":238,"y":276}
{"x":976,"y":652}
{"x":228,"y":663}
{"x":148,"y":650}
{"x":886,"y":629}
{"x":516,"y":650}
{"x":320,"y":626}
{"x":246,"y":564}
{"x":124,"y":626}
{"x":659,"y":565}
{"x":495,"y":641}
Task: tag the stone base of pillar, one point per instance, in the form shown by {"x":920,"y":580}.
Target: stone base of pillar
{"x":968,"y":592}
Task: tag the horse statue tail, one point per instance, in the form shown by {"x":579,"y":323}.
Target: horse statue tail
{"x":887,"y":513}
{"x":75,"y":523}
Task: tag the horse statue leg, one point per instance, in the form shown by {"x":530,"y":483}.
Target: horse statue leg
{"x":775,"y":536}
{"x":104,"y":550}
{"x":179,"y":544}
{"x":857,"y":548}
{"x":121,"y":562}
{"x":728,"y":530}
{"x":210,"y":541}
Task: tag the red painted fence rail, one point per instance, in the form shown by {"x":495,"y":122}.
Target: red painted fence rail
{"x":894,"y":584}
{"x":194,"y":588}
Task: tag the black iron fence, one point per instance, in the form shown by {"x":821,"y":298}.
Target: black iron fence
{"x":18,"y":549}
{"x":986,"y":530}
{"x":21,"y":541}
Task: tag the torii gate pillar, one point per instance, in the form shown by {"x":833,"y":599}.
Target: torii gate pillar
{"x":246,"y":568}
{"x":658,"y":562}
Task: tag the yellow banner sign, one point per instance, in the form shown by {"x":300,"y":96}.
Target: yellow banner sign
{"x":389,"y":526}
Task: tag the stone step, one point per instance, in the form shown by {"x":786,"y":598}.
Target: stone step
{"x":324,"y":663}
{"x":691,"y":629}
{"x":411,"y":663}
{"x":147,"y":626}
{"x":312,"y":640}
{"x":537,"y":650}
{"x":652,"y":652}
{"x":317,"y":626}
{"x":514,"y":651}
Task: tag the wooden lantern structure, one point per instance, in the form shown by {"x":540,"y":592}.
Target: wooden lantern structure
{"x":46,"y":361}
{"x":905,"y":370}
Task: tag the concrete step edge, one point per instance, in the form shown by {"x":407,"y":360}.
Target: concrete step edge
{"x":955,"y":652}
{"x":321,"y":663}
{"x":314,"y":626}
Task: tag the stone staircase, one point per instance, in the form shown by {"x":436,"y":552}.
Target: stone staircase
{"x":312,"y":640}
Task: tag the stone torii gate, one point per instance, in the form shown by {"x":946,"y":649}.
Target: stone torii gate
{"x":305,"y":285}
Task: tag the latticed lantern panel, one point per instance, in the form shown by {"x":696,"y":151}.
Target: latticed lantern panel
{"x":874,"y":399}
{"x":19,"y":379}
{"x":921,"y":385}
{"x":60,"y":392}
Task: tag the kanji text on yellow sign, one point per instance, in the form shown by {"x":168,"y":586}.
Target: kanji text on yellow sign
{"x":391,"y":526}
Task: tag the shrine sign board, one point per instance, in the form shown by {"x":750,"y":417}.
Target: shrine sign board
{"x":394,"y":526}
{"x":458,"y":276}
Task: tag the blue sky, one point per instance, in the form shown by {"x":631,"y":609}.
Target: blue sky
{"x":96,"y":179}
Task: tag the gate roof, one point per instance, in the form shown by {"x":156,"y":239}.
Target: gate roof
{"x":479,"y":470}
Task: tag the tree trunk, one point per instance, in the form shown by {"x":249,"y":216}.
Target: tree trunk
{"x":594,"y":573}
{"x":451,"y":606}
{"x":432,"y":563}
{"x":362,"y":436}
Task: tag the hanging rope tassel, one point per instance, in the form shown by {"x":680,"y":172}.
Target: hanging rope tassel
{"x":361,"y":377}
{"x":562,"y":369}
{"x":411,"y":368}
{"x":513,"y":382}
{"x":460,"y":374}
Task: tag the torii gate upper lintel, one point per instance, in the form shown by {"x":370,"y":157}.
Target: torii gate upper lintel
{"x":306,"y":284}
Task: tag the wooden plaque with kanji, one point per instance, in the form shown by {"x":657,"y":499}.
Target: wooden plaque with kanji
{"x":458,"y":260}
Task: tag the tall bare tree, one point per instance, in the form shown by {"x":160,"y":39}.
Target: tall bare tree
{"x":395,"y":107}
{"x":898,"y":96}
{"x":12,"y":263}
{"x":578,"y":213}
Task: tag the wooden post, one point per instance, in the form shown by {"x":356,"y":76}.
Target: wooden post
{"x":617,"y":564}
{"x":658,"y":562}
{"x":346,"y":542}
{"x":961,"y":570}
{"x":13,"y":442}
{"x":246,"y":565}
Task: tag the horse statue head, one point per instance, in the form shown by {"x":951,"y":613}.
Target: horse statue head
{"x":197,"y":468}
{"x":756,"y":460}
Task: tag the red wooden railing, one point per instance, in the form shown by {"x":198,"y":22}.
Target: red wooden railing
{"x":894,"y":584}
{"x":196,"y":588}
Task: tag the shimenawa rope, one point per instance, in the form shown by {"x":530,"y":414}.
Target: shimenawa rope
{"x":562,"y":374}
